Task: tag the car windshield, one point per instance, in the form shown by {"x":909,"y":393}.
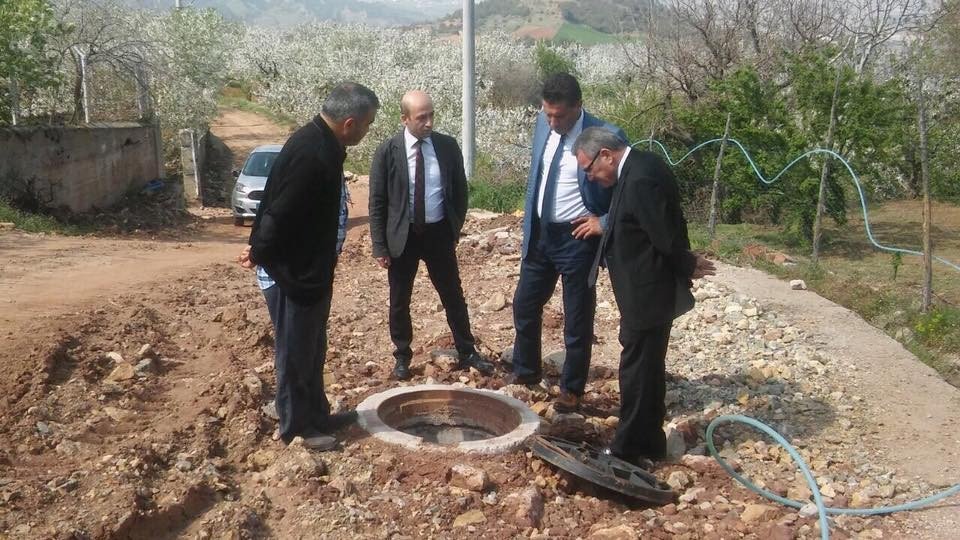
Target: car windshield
{"x":259,"y":163}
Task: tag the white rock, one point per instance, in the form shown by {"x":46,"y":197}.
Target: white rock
{"x":798,"y":285}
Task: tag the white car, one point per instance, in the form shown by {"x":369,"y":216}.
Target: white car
{"x":251,"y":180}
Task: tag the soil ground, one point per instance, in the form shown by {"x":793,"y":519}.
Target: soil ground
{"x":177,"y":446}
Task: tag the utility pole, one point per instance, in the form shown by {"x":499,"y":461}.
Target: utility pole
{"x":469,"y":87}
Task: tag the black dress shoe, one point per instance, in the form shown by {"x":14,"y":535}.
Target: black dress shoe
{"x":336,"y":422}
{"x":642,"y":462}
{"x":477,"y":362}
{"x":528,"y":380}
{"x":401,"y":371}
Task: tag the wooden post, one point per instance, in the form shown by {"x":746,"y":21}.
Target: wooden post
{"x":927,"y":293}
{"x":14,"y":102}
{"x":712,"y":223}
{"x":825,"y":172}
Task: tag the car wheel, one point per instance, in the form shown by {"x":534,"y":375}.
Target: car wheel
{"x":238,"y":221}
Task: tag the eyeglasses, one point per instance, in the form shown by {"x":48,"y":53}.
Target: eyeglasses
{"x":592,"y":161}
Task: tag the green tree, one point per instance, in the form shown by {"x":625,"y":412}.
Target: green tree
{"x":550,"y":62}
{"x":26,"y":65}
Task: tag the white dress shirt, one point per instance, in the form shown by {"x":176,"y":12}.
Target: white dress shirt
{"x":433,"y":187}
{"x":623,"y":159}
{"x":568,"y":204}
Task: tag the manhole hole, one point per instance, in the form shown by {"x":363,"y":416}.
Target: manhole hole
{"x":441,"y":417}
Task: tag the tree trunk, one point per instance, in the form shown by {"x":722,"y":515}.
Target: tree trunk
{"x":925,"y":186}
{"x":712,"y":223}
{"x":825,"y":172}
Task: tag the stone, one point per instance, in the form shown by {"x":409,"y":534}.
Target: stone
{"x":860,"y":500}
{"x":692,"y":494}
{"x":706,"y":464}
{"x":270,"y":410}
{"x":676,"y":445}
{"x":261,"y":459}
{"x":123,"y":372}
{"x":678,"y":480}
{"x":144,"y":367}
{"x":114,"y":356}
{"x":496,"y":302}
{"x":469,"y":518}
{"x":344,"y":487}
{"x":754,"y":513}
{"x":809,"y":510}
{"x":620,"y":532}
{"x":526,"y":507}
{"x":798,"y":285}
{"x":467,"y":477}
{"x":146,"y":351}
{"x":118,"y":415}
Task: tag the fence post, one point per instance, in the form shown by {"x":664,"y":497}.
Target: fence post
{"x":14,"y":102}
{"x":188,"y":161}
{"x":712,"y":223}
{"x":825,"y":173}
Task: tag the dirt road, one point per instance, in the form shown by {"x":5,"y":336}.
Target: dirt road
{"x":135,"y":371}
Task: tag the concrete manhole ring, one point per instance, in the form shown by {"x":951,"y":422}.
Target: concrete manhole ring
{"x":448,"y":418}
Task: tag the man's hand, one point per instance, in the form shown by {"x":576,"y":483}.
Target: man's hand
{"x":384,"y":262}
{"x":244,"y":258}
{"x":586,"y":227}
{"x":703,"y":268}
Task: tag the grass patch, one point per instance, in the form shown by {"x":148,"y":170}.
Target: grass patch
{"x":882,"y":288}
{"x":35,"y":223}
{"x":580,"y":33}
{"x":503,"y":197}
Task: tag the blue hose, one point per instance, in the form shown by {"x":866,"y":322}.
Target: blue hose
{"x":762,"y":178}
{"x":822,"y":510}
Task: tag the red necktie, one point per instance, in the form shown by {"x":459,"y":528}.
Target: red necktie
{"x":419,"y":192}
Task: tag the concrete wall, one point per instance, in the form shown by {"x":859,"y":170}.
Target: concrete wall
{"x":81,"y":167}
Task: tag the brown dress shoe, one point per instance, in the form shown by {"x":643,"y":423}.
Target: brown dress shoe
{"x":566,"y":402}
{"x":528,"y":380}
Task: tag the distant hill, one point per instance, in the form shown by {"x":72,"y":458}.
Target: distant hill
{"x":293,"y":12}
{"x":581,"y":21}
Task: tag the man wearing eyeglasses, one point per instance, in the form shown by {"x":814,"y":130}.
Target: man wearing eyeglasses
{"x":647,"y":251}
{"x":563,"y":215}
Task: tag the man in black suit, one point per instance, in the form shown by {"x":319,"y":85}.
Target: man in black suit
{"x":647,"y":252}
{"x":418,"y":203}
{"x":294,"y":240}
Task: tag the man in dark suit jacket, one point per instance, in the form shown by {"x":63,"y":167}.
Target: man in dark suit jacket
{"x":562,"y":223}
{"x":647,"y":251}
{"x":418,"y":203}
{"x":294,"y":239}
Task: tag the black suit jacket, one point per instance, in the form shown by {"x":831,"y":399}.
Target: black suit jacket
{"x":647,"y":250}
{"x":390,"y":192}
{"x":294,"y":235}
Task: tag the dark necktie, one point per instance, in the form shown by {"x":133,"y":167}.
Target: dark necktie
{"x":419,"y":191}
{"x":550,"y":188}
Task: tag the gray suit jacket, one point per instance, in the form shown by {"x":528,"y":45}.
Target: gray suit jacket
{"x":390,"y":192}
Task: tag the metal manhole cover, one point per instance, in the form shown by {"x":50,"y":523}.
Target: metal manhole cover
{"x":588,"y":463}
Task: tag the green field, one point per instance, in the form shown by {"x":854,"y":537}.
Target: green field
{"x":582,"y":34}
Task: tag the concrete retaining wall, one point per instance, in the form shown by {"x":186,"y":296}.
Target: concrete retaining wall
{"x":81,"y":167}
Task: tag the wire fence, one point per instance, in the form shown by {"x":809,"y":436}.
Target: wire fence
{"x":689,"y":174}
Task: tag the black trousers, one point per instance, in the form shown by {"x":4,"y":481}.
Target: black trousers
{"x":436,"y":247}
{"x":300,"y":353}
{"x":642,"y":391}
